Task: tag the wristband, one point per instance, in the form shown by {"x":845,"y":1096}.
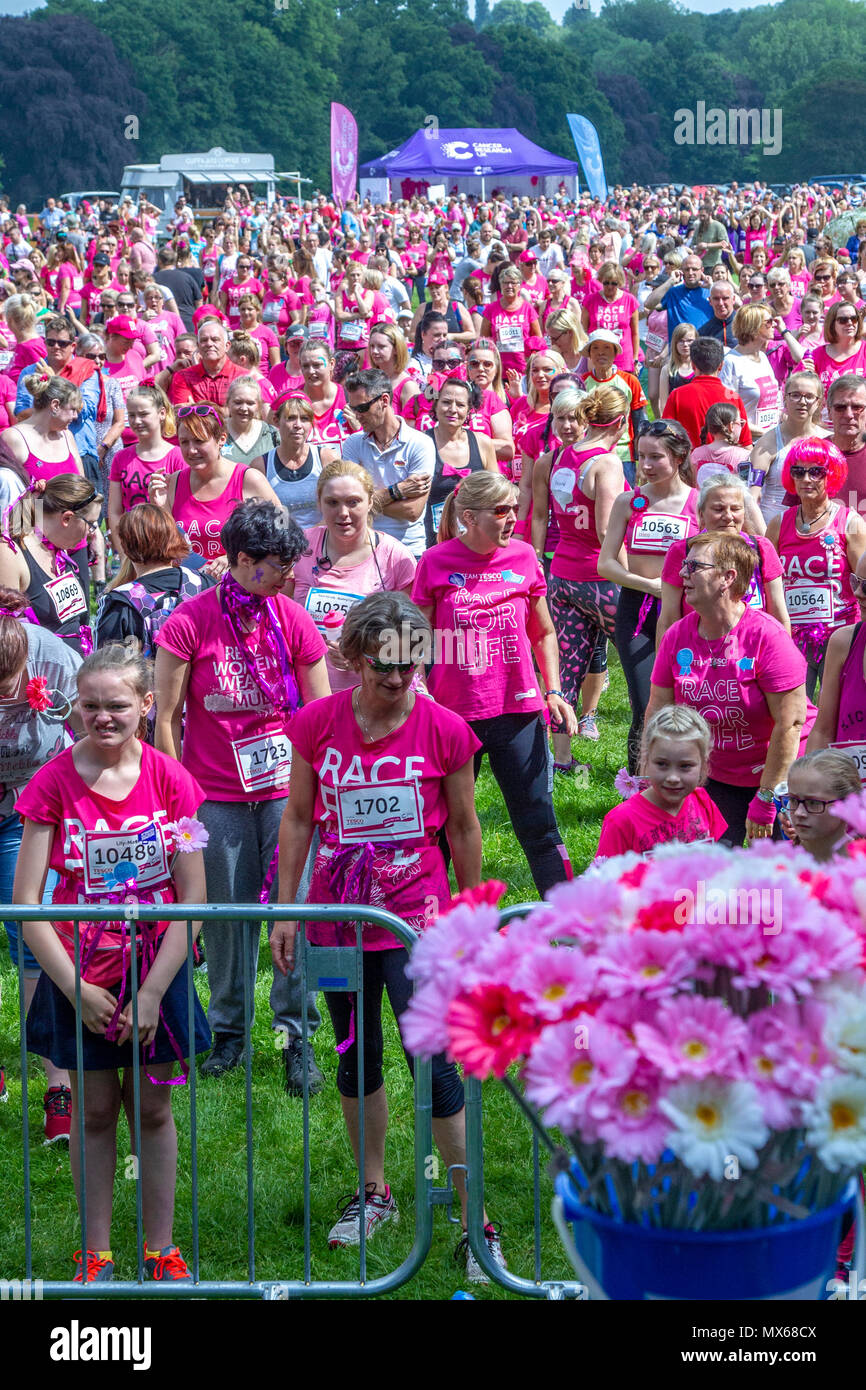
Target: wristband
{"x":757,"y":476}
{"x":554,"y":692}
{"x":761,"y":812}
{"x":394,"y":493}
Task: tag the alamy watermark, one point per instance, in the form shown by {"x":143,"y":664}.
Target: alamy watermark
{"x":736,"y":907}
{"x":736,"y":126}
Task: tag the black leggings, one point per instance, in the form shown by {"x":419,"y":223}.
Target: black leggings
{"x":516,"y":745}
{"x":637,"y":656}
{"x":733,"y":802}
{"x":386,"y":970}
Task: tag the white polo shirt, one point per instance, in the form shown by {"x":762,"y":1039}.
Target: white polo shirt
{"x":410,"y":451}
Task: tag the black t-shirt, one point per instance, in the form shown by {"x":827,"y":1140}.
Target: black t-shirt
{"x":184,"y":290}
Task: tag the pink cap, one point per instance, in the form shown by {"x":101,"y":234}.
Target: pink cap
{"x":123,"y":326}
{"x":527,"y":255}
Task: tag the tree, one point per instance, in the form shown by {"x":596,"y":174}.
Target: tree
{"x":532,"y":16}
{"x":65,"y":96}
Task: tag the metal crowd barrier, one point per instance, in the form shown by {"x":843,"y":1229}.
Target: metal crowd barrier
{"x":333,"y":969}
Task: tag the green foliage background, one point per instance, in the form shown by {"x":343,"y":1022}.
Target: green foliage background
{"x":260,"y":74}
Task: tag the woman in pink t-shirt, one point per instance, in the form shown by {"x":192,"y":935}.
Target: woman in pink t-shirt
{"x":644,"y":523}
{"x":42,"y":444}
{"x":20,"y":316}
{"x":739,"y":668}
{"x":612,"y":307}
{"x":70,"y":282}
{"x":510,"y":320}
{"x":202,"y":496}
{"x":843,"y":349}
{"x":671,"y":804}
{"x":346,"y":560}
{"x":326,"y":396}
{"x":354,"y":310}
{"x":385,"y":775}
{"x":280,"y":305}
{"x":484,"y":595}
{"x":820,"y":542}
{"x":250,"y":311}
{"x":103,"y":814}
{"x":239,"y":660}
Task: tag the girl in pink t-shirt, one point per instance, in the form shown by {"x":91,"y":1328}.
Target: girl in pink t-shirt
{"x":108,"y":815}
{"x":671,"y":804}
{"x":150,"y":415}
{"x":613,"y":308}
{"x":380,"y":771}
{"x":511,"y":321}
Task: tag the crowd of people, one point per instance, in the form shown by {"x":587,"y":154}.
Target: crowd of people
{"x":307,"y":509}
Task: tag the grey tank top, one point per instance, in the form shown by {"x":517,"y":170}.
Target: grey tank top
{"x":296,"y":488}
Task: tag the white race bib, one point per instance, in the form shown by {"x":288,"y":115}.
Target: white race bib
{"x":120,"y":855}
{"x":510,"y":337}
{"x":857,"y":751}
{"x":379,"y":811}
{"x":263,"y":761}
{"x":351,"y":331}
{"x":809,"y":603}
{"x":319,"y":603}
{"x":658,"y":531}
{"x":655,"y":343}
{"x":767,"y":419}
{"x":67,"y":596}
{"x":318,"y":329}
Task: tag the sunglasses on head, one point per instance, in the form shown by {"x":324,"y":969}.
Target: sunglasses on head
{"x":384,"y":668}
{"x":858,"y":585}
{"x":202,"y":408}
{"x":815,"y":472}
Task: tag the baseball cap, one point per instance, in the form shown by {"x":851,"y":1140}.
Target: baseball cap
{"x":102,"y":259}
{"x":297,"y":330}
{"x":527,"y":256}
{"x":24,"y":264}
{"x":123,"y":326}
{"x":603,"y":335}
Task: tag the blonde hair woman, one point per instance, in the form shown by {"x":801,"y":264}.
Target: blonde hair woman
{"x":678,"y":367}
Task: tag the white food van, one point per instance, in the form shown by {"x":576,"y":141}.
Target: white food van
{"x":203,"y":179}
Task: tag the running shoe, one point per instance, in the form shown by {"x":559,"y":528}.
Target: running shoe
{"x":587,"y":727}
{"x":57,"y":1104}
{"x":169,"y":1264}
{"x":474,"y":1273}
{"x":377,"y":1210}
{"x":99,"y":1269}
{"x":573,"y":769}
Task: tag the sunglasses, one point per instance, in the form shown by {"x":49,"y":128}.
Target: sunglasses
{"x":384,"y":668}
{"x":59,"y":342}
{"x":823,"y":277}
{"x":847,"y":318}
{"x":447,"y":362}
{"x":691,"y":565}
{"x":203,"y":408}
{"x":365,"y":406}
{"x":95,"y":356}
{"x":858,"y":586}
{"x":503,"y":510}
{"x":816,"y":472}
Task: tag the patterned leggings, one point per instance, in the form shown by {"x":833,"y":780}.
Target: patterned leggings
{"x":583,"y":613}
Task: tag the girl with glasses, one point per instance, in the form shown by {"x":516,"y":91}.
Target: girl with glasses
{"x":816,"y":782}
{"x":820,"y":543}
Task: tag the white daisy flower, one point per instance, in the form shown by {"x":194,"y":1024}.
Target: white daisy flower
{"x":713,"y":1121}
{"x":845,"y":1034}
{"x":836,"y":1122}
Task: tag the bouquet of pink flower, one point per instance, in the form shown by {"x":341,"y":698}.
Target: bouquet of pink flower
{"x":684,"y":1019}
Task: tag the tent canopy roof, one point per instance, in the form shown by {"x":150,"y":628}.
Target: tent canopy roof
{"x":450,"y":153}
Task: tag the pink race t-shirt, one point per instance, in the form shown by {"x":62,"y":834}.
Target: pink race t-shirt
{"x":389,"y":793}
{"x":282,"y":380}
{"x":233,"y":292}
{"x":277,"y":310}
{"x":25,"y":355}
{"x":725,"y":682}
{"x":96,"y":838}
{"x":481,"y":608}
{"x":8,"y":392}
{"x":234,"y":741}
{"x":511,"y":328}
{"x":330,"y":593}
{"x":266,"y":339}
{"x":133,"y":473}
{"x":638,"y":826}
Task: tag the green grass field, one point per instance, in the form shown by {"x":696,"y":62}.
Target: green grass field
{"x":278,"y":1197}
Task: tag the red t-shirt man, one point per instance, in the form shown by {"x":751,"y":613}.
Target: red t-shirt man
{"x":690,"y":402}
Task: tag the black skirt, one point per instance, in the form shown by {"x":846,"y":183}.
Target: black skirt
{"x":51,"y":1029}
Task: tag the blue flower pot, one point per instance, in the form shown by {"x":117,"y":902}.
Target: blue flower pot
{"x":794,"y":1260}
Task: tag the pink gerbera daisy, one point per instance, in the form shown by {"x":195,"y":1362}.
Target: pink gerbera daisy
{"x":489,"y":1028}
{"x":693,"y":1037}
